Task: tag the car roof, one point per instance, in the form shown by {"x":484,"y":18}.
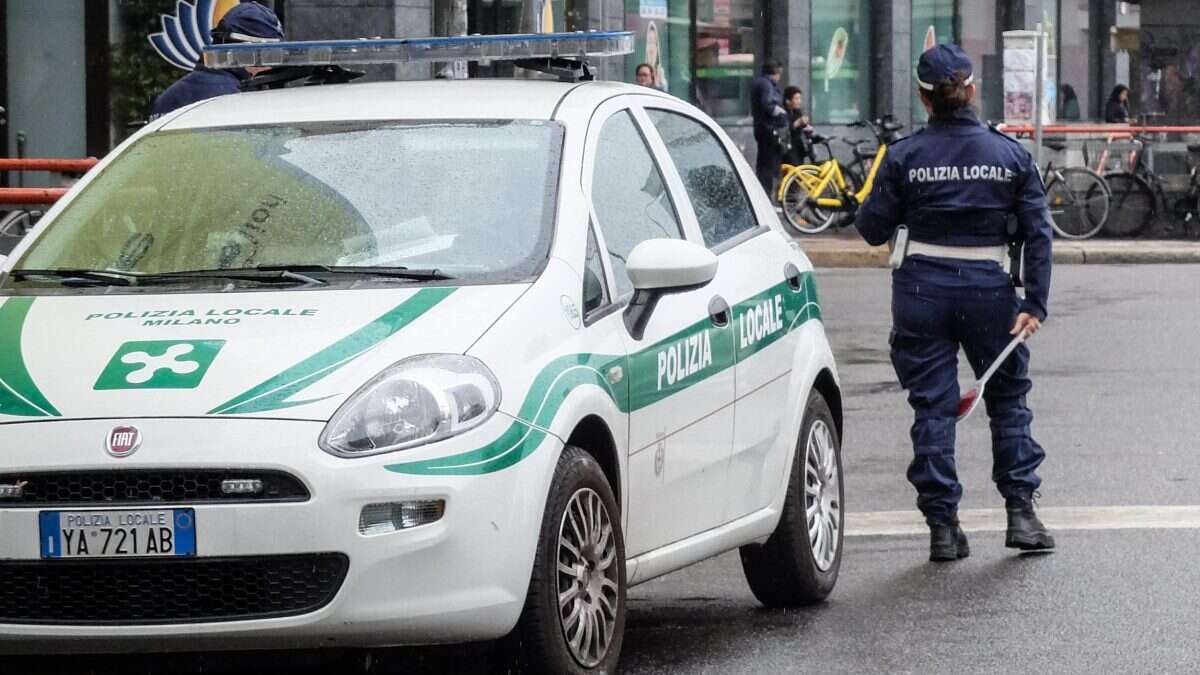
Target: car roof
{"x":433,"y":99}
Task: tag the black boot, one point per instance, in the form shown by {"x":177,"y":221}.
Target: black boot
{"x":1025,"y":531}
{"x":947,"y":542}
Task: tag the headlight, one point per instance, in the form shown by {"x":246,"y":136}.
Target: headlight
{"x":415,"y":401}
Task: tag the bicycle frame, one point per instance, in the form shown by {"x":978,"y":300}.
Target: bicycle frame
{"x":836,"y":172}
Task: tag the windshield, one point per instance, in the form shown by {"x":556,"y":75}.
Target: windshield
{"x":472,"y":200}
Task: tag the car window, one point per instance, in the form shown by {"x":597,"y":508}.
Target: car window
{"x":413,"y":194}
{"x":595,"y":291}
{"x":713,"y":185}
{"x":629,"y":195}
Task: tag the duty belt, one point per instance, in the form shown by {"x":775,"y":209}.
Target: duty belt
{"x":997,"y":254}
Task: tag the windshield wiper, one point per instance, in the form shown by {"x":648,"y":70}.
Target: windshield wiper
{"x":265,"y":275}
{"x":89,"y":277}
{"x":386,"y":272}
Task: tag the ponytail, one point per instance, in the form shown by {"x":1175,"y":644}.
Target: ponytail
{"x":948,"y":97}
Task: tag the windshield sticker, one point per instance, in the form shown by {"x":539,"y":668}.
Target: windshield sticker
{"x":19,"y":396}
{"x":159,"y":364}
{"x":201,"y":317}
{"x":276,"y":392}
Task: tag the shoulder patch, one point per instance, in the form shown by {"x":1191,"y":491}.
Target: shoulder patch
{"x":992,"y":127}
{"x":914,"y":134}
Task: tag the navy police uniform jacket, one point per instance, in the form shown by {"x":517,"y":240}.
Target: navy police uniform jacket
{"x":202,"y":83}
{"x":956,"y":183}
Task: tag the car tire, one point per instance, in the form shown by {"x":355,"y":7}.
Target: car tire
{"x":546,"y":634}
{"x":795,"y":566}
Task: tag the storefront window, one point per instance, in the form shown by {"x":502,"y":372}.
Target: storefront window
{"x":977,"y":36}
{"x":724,"y":57}
{"x":840,"y":58}
{"x":932,"y":24}
{"x":1075,"y":93}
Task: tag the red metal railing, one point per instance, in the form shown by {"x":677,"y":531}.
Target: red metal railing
{"x":41,"y":195}
{"x":54,"y":165}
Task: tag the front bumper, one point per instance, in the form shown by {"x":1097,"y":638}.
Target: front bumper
{"x":461,"y":578}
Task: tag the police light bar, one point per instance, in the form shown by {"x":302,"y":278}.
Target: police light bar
{"x":414,"y":50}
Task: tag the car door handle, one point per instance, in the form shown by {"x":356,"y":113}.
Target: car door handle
{"x":792,"y":274}
{"x":718,"y":311}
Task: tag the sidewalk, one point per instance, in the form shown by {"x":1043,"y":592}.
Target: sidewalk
{"x":847,"y":249}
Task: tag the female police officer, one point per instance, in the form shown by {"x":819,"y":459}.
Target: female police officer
{"x":954,"y":185}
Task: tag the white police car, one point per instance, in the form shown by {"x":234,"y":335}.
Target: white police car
{"x":406,"y":363}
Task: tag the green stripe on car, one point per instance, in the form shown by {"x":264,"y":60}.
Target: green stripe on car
{"x":274,"y":393}
{"x":657,"y":372}
{"x":19,"y":395}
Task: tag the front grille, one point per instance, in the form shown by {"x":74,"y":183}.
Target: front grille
{"x":155,"y":591}
{"x":138,"y":487}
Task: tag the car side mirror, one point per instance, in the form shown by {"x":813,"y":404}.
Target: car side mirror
{"x":658,"y":267}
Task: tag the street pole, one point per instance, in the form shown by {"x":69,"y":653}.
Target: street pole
{"x":1039,"y":86}
{"x":458,"y":26}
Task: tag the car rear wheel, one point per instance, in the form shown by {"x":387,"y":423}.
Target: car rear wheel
{"x":798,"y":565}
{"x":574,"y":616}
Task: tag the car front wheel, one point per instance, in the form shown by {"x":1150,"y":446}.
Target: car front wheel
{"x":574,"y":616}
{"x":798,"y":565}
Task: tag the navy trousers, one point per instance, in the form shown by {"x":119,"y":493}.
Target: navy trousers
{"x":929,"y":324}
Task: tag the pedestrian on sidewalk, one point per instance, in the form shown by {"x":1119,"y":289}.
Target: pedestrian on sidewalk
{"x":954,"y":185}
{"x":800,"y":148}
{"x":245,"y":22}
{"x":770,"y":119}
{"x":1116,"y":110}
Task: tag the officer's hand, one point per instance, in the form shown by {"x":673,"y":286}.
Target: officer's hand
{"x":1026,"y":322}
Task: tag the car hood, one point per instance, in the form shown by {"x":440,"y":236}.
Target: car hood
{"x":295,"y":355}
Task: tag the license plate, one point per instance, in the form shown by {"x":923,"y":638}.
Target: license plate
{"x":117,"y":534}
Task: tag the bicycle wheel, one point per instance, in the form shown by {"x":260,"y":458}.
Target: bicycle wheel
{"x":798,"y":215}
{"x":1079,"y":202}
{"x":1132,"y":207}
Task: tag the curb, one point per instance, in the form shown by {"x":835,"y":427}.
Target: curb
{"x":1064,"y":254}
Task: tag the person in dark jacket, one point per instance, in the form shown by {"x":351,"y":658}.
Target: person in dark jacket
{"x":798,"y":126}
{"x":766,"y":109}
{"x":955,"y":185}
{"x":245,"y":22}
{"x":1116,"y":110}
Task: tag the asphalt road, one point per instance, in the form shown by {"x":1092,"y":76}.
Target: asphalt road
{"x":1116,"y":376}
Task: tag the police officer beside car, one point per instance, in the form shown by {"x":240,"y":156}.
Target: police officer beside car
{"x":957,"y":185}
{"x":245,"y":22}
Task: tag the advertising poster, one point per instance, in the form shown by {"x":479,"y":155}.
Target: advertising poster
{"x":1020,"y":79}
{"x":840,"y":49}
{"x":648,"y":21}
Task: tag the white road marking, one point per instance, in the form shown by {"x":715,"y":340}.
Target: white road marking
{"x":895,"y":523}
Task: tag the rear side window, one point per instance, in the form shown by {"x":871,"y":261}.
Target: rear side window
{"x":713,"y":185}
{"x":629,"y":195}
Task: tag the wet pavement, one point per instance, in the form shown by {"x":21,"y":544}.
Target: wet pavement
{"x":1116,"y":388}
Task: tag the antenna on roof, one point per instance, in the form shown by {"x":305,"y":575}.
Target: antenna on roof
{"x":561,"y":54}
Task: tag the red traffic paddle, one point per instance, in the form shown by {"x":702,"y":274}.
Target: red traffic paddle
{"x":969,"y":400}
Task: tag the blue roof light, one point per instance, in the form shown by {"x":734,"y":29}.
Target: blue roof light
{"x":415,"y":50}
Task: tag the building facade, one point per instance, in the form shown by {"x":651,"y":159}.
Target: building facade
{"x":60,"y":62}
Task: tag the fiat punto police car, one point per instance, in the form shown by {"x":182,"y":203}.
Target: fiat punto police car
{"x":406,"y":363}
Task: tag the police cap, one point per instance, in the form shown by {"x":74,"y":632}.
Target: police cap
{"x":943,"y":62}
{"x":248,"y":22}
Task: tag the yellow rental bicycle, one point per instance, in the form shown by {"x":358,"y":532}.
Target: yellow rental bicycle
{"x":817,"y":196}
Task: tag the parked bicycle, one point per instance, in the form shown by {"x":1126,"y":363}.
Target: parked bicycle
{"x":817,"y":196}
{"x":1079,"y":198}
{"x":14,"y":225}
{"x":1187,"y":208}
{"x":1136,"y":191}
